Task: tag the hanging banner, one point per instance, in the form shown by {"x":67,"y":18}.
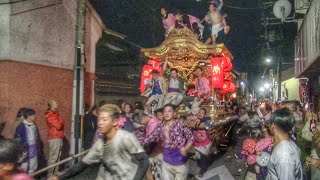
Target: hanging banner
{"x":304,"y":93}
{"x":217,"y":72}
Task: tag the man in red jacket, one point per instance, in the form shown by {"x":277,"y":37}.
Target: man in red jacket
{"x":55,"y":135}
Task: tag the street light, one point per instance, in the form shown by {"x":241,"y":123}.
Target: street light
{"x":268,"y":60}
{"x":266,"y":85}
{"x":278,"y":62}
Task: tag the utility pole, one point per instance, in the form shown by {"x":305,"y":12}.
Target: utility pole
{"x":78,"y":82}
{"x":279,"y":78}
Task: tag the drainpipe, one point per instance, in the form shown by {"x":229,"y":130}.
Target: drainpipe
{"x":78,"y":82}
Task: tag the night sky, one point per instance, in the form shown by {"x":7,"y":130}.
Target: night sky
{"x":140,"y":21}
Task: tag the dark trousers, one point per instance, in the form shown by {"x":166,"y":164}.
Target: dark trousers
{"x":204,"y":162}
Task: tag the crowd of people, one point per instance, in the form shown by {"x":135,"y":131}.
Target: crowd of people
{"x":160,"y":145}
{"x":130,"y":143}
{"x":27,"y":145}
{"x":150,"y":141}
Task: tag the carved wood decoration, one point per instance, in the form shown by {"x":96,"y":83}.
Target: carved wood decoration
{"x":185,"y":52}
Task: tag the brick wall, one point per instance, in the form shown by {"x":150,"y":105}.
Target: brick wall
{"x":30,"y":85}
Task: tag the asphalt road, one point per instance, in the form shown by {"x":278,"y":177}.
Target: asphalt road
{"x":235,"y":166}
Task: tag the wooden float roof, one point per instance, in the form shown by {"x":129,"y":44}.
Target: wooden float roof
{"x":183,"y":45}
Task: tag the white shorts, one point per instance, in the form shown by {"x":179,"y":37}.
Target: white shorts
{"x":215,"y":29}
{"x":158,"y":98}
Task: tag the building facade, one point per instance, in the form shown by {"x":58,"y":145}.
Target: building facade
{"x":307,"y":52}
{"x":37,"y":58}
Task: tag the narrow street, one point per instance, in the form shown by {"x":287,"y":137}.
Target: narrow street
{"x":159,"y":89}
{"x":236,"y":167}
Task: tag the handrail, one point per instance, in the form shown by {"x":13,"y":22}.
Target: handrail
{"x":59,"y":163}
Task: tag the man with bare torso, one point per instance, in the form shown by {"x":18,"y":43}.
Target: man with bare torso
{"x":216,"y":20}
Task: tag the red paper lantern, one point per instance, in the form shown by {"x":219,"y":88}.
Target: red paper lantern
{"x":226,"y":86}
{"x":226,"y":63}
{"x":232,"y":87}
{"x":228,"y":76}
{"x":217,"y":72}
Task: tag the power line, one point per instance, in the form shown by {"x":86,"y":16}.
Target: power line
{"x":243,"y":8}
{"x":11,"y":2}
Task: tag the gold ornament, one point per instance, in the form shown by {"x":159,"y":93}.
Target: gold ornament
{"x":185,"y":72}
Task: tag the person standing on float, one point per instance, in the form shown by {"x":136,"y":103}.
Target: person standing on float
{"x":202,"y":94}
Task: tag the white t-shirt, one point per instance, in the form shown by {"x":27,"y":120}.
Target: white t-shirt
{"x":116,"y":155}
{"x":285,"y":162}
{"x":31,"y":132}
{"x":174,"y":83}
